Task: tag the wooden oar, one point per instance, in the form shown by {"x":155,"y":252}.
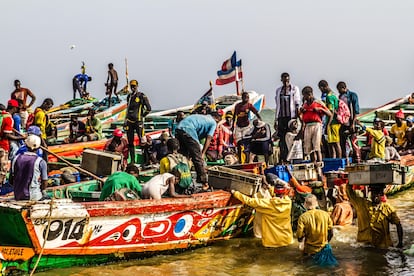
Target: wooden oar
{"x":73,"y":166}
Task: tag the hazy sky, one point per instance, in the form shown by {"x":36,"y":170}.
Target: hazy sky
{"x":175,"y":47}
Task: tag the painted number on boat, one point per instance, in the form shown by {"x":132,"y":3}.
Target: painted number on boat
{"x":65,"y":230}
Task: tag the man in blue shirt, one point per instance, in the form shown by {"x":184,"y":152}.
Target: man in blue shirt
{"x":189,"y":132}
{"x":79,"y":82}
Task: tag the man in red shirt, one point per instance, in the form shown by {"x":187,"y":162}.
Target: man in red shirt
{"x":241,"y":123}
{"x":312,"y":112}
{"x":6,"y":134}
{"x":20,"y":94}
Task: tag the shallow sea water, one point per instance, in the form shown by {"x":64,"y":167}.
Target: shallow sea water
{"x":246,"y":256}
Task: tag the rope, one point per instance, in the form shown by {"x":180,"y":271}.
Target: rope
{"x":49,"y":219}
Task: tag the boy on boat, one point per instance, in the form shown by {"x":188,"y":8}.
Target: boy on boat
{"x":241,"y":124}
{"x":118,"y":144}
{"x":22,"y":93}
{"x":111,"y":83}
{"x":288,"y":100}
{"x":311,"y":115}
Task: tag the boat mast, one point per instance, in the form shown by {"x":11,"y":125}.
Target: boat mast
{"x":126,"y":75}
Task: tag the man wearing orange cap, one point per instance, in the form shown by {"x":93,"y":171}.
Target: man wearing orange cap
{"x":138,"y":107}
{"x":398,"y":130}
{"x":6,"y":134}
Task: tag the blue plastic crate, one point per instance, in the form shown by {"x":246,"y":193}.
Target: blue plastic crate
{"x":280,"y":171}
{"x":334,"y":164}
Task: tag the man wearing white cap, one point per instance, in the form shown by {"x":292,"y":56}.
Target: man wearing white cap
{"x":29,"y":172}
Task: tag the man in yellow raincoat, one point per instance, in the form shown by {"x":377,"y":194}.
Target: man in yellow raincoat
{"x":374,"y":218}
{"x":275,"y":212}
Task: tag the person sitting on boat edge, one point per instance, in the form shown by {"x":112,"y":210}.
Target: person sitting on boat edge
{"x":374,"y":217}
{"x":275,"y":212}
{"x":121,"y":186}
{"x":28,"y":172}
{"x":77,"y":130}
{"x":93,"y":126}
{"x":261,"y":142}
{"x":189,"y":132}
{"x":391,"y":152}
{"x":241,"y":125}
{"x":118,"y":144}
{"x":315,"y":229}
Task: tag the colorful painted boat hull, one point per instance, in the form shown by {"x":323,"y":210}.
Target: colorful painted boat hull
{"x":97,"y":232}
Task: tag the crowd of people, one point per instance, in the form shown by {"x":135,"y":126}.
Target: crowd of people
{"x":305,"y":127}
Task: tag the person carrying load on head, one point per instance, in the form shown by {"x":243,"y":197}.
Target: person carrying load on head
{"x":138,"y":107}
{"x":374,"y":217}
{"x":275,"y":213}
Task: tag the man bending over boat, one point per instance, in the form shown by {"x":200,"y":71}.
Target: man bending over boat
{"x":138,"y":108}
{"x":275,"y":213}
{"x":121,"y":186}
{"x":374,"y":218}
{"x":189,"y":132}
{"x":160,"y":184}
{"x":29,"y":172}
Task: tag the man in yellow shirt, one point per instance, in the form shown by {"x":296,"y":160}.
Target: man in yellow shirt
{"x":275,"y":211}
{"x":378,"y":139}
{"x":40,"y":118}
{"x":374,"y":218}
{"x":315,"y":228}
{"x":397,"y":131}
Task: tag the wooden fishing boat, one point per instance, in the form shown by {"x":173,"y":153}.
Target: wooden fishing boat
{"x":226,"y":103}
{"x":74,"y":150}
{"x":63,"y":232}
{"x":386,"y":113}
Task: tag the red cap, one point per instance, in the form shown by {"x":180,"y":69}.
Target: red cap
{"x":399,"y":114}
{"x":117,"y":132}
{"x":13,"y":103}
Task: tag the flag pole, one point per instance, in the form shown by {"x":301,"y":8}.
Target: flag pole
{"x":126,"y":75}
{"x":242,"y":80}
{"x":237,"y":82}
